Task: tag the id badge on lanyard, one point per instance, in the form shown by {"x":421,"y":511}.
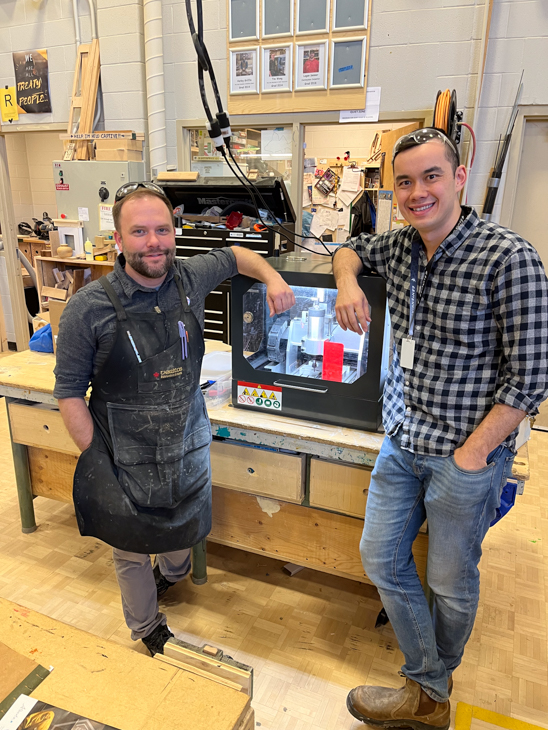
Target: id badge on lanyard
{"x":407,"y":356}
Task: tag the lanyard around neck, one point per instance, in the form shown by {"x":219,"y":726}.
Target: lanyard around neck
{"x":413,"y":296}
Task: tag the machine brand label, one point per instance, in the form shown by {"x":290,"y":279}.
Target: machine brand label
{"x":236,"y":235}
{"x":173,"y":373}
{"x":260,"y":396}
{"x":215,"y":201}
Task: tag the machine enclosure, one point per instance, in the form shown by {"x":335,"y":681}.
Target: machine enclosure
{"x":354,"y":405}
{"x":197,"y":196}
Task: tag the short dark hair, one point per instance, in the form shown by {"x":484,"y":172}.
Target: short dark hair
{"x":424,"y":135}
{"x":139,"y":193}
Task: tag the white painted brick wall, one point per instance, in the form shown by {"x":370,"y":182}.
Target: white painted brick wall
{"x":120,"y":28}
{"x":518,"y":40}
{"x":416,"y":48}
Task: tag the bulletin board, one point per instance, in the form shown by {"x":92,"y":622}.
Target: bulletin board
{"x":297,"y":55}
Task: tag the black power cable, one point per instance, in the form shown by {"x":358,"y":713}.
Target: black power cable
{"x":251,"y":187}
{"x":219,"y":126}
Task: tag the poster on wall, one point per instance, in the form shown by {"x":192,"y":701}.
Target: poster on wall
{"x":32,"y":81}
{"x":311,"y":66}
{"x":348,"y":62}
{"x":277,"y":68}
{"x":244,"y":71}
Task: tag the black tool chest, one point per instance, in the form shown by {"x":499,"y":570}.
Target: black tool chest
{"x":224,"y":192}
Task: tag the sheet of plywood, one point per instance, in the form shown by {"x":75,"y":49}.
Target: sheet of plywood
{"x":115,"y":685}
{"x":42,"y":426}
{"x":388,"y":140}
{"x":311,"y":537}
{"x":178,"y":175}
{"x":258,"y":471}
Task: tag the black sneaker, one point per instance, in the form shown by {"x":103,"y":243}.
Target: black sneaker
{"x":155,"y":641}
{"x":162,"y":583}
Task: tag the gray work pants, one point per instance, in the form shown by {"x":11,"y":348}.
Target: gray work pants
{"x":138,"y":588}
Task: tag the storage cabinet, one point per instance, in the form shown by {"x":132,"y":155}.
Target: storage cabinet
{"x":217,"y":314}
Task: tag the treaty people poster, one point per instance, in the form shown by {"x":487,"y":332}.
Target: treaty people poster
{"x":32,"y":81}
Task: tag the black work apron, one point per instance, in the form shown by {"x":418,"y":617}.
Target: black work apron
{"x":144,"y":483}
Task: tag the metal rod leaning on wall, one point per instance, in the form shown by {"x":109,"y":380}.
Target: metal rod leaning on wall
{"x":13,"y":267}
{"x":502,"y":150}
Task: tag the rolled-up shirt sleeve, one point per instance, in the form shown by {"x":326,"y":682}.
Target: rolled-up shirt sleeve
{"x":75,"y":352}
{"x":520,"y":308}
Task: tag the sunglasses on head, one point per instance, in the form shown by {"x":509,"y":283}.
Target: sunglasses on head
{"x":421,"y":136}
{"x":133,"y":186}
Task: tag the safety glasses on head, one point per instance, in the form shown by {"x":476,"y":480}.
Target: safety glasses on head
{"x":421,"y":136}
{"x":133,"y":186}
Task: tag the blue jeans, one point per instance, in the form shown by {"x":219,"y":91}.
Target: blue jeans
{"x":405,"y":489}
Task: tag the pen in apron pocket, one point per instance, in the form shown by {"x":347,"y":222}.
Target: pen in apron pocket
{"x":183,"y":334}
{"x":135,"y":350}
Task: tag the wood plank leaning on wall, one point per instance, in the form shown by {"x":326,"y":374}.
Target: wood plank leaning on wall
{"x":13,"y":267}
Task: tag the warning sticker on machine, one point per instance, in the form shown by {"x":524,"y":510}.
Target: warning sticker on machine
{"x":260,"y":396}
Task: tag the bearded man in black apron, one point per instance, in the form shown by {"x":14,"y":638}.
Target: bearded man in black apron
{"x":143,"y":480}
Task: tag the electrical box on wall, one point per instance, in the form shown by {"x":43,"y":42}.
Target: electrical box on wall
{"x":85,"y":190}
{"x":302,"y":363}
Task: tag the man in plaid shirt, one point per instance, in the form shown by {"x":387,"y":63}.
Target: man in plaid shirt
{"x":468,"y":303}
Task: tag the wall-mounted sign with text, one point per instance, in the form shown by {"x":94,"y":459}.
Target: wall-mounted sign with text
{"x":32,"y":81}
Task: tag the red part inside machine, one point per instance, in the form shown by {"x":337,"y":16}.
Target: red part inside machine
{"x":333,"y":355}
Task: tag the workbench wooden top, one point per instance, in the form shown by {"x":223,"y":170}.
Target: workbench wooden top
{"x":109,"y":683}
{"x":29,"y":373}
{"x":32,"y":372}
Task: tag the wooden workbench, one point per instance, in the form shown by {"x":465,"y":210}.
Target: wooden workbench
{"x":283,"y":487}
{"x":109,"y":683}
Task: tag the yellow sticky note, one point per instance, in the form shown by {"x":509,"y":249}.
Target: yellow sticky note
{"x":8,"y":104}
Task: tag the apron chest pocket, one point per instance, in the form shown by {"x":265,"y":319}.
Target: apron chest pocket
{"x":149,"y":447}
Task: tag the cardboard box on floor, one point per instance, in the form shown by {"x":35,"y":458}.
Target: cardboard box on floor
{"x":55,"y":311}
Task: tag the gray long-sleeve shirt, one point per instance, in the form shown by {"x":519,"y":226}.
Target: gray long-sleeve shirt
{"x":88,"y":324}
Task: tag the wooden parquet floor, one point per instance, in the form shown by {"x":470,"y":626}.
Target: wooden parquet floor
{"x":310,"y":637}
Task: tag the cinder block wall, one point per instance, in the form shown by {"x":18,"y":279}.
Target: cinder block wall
{"x":417,"y":47}
{"x":518,"y":41}
{"x":120,"y":30}
{"x":32,"y":185}
{"x":27,"y":26}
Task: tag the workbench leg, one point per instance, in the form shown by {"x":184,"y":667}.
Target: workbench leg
{"x":22,"y":480}
{"x":199,"y":563}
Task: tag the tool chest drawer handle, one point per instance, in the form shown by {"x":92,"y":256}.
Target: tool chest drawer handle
{"x":301,"y":387}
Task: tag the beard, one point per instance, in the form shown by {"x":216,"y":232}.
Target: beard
{"x":139,"y":264}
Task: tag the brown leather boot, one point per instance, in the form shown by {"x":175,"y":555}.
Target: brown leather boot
{"x":408,"y":706}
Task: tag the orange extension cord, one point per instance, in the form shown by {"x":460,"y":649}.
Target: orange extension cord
{"x":441,"y":115}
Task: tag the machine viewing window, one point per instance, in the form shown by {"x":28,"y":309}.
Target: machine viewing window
{"x":306,"y":341}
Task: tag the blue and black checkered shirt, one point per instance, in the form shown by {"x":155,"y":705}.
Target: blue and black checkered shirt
{"x":481,"y":331}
